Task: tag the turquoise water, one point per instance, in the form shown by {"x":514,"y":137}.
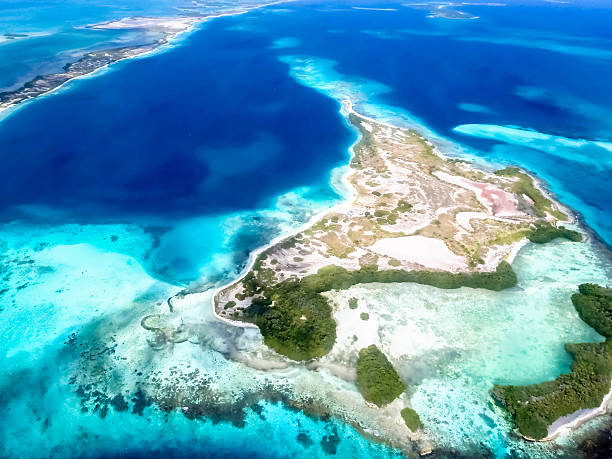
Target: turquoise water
{"x":237,"y":129}
{"x":451,"y":347}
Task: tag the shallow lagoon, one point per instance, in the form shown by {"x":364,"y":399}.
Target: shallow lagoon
{"x":95,"y":281}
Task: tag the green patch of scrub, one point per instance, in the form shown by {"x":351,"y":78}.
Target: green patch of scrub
{"x":338,"y":278}
{"x":384,"y":217}
{"x":411,"y":418}
{"x":535,"y":407}
{"x":377,"y":380}
{"x":524,"y":185}
{"x":394,"y":262}
{"x":364,"y":316}
{"x":353,"y":303}
{"x":403,"y":206}
{"x":594,"y":306}
{"x":545,"y":232}
{"x":296,"y":320}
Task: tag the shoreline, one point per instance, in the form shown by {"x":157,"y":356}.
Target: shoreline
{"x":576,"y":419}
{"x":171,"y":40}
{"x":345,"y":107}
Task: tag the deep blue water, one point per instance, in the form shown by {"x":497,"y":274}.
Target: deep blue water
{"x":213,"y":126}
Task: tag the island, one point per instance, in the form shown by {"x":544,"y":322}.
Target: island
{"x":413,"y":215}
{"x":166,"y":29}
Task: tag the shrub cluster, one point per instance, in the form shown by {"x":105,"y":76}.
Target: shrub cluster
{"x":594,"y":306}
{"x":337,"y":278}
{"x":299,"y":325}
{"x":377,"y":380}
{"x":411,"y":418}
{"x":545,"y":232}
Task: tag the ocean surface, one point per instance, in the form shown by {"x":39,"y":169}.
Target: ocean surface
{"x":160,"y":175}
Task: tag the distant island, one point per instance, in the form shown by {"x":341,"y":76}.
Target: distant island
{"x":167,"y":28}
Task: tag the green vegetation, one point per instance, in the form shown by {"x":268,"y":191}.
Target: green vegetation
{"x":353,"y":303}
{"x":541,"y":204}
{"x":229,"y":304}
{"x":377,"y":380}
{"x":535,"y":407}
{"x":412,"y":419}
{"x":296,"y":320}
{"x":363,"y":150}
{"x":394,"y":262}
{"x":594,"y":306}
{"x":338,"y":278}
{"x":403,"y":206}
{"x":545,"y":232}
{"x":385,"y":217}
{"x":364,"y":316}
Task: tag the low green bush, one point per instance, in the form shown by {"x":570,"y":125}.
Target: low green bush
{"x":295,"y":323}
{"x":545,"y":232}
{"x":412,"y":419}
{"x":403,"y":206}
{"x":377,"y":380}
